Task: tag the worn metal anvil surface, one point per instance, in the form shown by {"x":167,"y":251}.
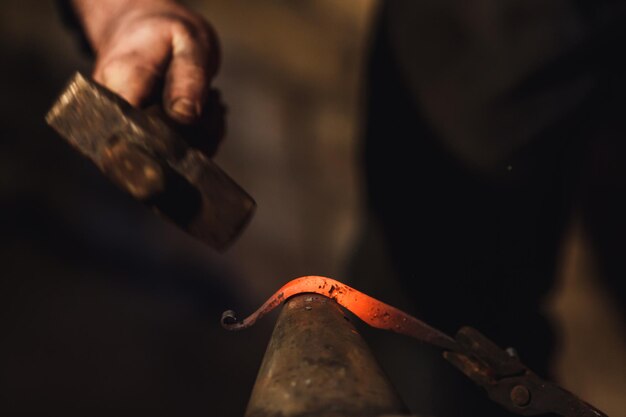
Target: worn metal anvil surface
{"x":317,"y":364}
{"x":145,"y":156}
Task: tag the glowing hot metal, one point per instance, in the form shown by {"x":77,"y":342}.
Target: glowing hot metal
{"x":507,"y":381}
{"x":372,"y":311}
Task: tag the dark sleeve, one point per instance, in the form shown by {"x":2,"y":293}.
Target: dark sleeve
{"x":70,"y":20}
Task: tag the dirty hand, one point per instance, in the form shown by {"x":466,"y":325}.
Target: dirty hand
{"x":149,"y":47}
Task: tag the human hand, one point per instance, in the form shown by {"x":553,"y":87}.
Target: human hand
{"x":147,"y":48}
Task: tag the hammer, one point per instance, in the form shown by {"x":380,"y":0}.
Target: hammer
{"x":143,"y":154}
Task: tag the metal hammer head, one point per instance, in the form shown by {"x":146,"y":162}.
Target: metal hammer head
{"x":144,"y":155}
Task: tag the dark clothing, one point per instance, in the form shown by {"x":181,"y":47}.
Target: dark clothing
{"x":489,"y":76}
{"x":488,"y":123}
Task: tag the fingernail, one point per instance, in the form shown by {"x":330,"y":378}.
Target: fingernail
{"x":185,"y":108}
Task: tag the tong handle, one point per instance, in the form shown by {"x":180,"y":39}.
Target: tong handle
{"x":510,"y":383}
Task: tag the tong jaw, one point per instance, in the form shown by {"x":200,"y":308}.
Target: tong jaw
{"x":509,"y":382}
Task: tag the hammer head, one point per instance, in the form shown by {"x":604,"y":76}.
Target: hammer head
{"x":144,"y":155}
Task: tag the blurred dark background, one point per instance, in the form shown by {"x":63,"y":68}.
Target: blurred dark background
{"x":105,"y":309}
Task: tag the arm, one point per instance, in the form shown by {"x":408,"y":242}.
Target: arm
{"x":143,"y":44}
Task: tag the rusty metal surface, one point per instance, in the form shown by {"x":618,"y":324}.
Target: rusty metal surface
{"x":146,"y":157}
{"x":317,"y":364}
{"x":510,"y":383}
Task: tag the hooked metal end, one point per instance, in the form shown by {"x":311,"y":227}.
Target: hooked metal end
{"x":229,"y":320}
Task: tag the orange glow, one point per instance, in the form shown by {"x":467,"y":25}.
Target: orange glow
{"x":372,"y":311}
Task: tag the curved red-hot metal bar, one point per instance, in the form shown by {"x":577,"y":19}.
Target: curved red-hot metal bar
{"x":372,"y":311}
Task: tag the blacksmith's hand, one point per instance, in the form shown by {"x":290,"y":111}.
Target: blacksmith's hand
{"x":147,"y":49}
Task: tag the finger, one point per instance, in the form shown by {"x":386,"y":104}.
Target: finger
{"x":207,"y":134}
{"x":215,"y":121}
{"x":187,"y":83}
{"x":128,"y":77}
{"x":130,"y":69}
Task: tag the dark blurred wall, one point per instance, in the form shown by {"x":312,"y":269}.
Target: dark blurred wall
{"x":107,"y":310}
